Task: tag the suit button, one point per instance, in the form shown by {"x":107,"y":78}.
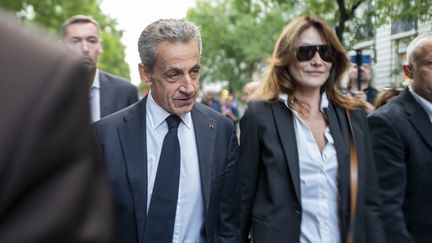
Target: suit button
{"x":297,"y":211}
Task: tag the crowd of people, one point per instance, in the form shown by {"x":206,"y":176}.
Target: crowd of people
{"x":83,"y":160}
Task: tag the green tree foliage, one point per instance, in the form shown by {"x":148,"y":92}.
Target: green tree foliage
{"x":357,"y":20}
{"x":50,"y":14}
{"x":237,"y":39}
{"x":239,"y":35}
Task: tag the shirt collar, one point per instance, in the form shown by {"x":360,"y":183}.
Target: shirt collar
{"x":427,"y":106}
{"x":324,"y":100}
{"x":96,"y":81}
{"x":157,"y":114}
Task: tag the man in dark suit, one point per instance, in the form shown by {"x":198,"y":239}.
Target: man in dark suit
{"x":108,"y":93}
{"x":52,"y":187}
{"x":402,"y":141}
{"x":201,"y":193}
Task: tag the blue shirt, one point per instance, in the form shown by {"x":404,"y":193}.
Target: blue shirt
{"x":94,"y":97}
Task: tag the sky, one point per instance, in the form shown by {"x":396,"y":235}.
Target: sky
{"x":134,"y":15}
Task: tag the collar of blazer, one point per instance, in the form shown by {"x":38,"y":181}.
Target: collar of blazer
{"x":416,"y":115}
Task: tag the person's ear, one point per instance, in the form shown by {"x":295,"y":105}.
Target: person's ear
{"x":145,"y":75}
{"x":408,"y":70}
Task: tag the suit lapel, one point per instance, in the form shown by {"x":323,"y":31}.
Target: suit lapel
{"x":205,"y":135}
{"x":417,"y":116}
{"x":340,"y":132}
{"x":285,"y":126}
{"x":104,"y":94}
{"x":133,"y":141}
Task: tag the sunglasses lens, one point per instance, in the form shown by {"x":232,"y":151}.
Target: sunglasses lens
{"x":326,"y":53}
{"x":305,"y":53}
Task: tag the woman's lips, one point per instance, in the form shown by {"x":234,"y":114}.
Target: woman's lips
{"x":314,"y":73}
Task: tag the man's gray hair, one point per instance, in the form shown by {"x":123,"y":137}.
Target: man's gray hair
{"x":171,"y":30}
{"x":414,"y":44}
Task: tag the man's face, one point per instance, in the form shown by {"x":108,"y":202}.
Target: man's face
{"x":248,"y":91}
{"x":175,"y":78}
{"x":365,"y":71}
{"x":84,"y":38}
{"x":420,"y":71}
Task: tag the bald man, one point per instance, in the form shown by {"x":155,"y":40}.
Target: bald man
{"x":402,"y":141}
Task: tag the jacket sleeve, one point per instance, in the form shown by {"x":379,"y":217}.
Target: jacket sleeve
{"x":229,"y":214}
{"x":248,"y":167}
{"x":373,"y":209}
{"x":391,"y":166}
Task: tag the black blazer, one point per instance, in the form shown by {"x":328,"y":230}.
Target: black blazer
{"x":52,"y":187}
{"x":122,"y":139}
{"x":271,"y":206}
{"x":115,"y":93}
{"x":402,"y":140}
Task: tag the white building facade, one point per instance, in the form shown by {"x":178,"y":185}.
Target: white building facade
{"x":388,"y":51}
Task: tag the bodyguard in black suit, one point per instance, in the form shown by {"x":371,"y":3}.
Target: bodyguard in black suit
{"x":172,"y":162}
{"x":294,"y":159}
{"x":116,"y":93}
{"x":108,"y":93}
{"x":402,"y":141}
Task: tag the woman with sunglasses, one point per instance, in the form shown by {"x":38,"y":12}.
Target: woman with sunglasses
{"x":295,"y":147}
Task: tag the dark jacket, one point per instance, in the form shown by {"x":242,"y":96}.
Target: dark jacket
{"x":122,"y":139}
{"x":271,"y":208}
{"x":115,"y":93}
{"x":402,"y":140}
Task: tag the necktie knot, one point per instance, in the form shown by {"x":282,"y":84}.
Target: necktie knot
{"x":173,"y":121}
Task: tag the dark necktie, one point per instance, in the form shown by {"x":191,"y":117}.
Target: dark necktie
{"x":163,"y":203}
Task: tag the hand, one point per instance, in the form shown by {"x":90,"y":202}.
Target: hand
{"x":226,"y":110}
{"x":359,"y":95}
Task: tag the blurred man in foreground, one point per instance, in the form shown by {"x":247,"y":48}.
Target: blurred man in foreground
{"x":52,"y":188}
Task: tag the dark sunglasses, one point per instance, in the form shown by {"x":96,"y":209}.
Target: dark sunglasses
{"x":306,"y":53}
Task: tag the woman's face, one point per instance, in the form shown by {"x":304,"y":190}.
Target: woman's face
{"x":309,"y":70}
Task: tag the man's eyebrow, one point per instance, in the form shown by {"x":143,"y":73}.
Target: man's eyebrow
{"x":196,"y":66}
{"x":174,"y":69}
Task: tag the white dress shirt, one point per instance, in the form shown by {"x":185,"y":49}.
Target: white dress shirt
{"x":427,"y":106}
{"x":318,"y":183}
{"x":190,"y":204}
{"x":95,"y":98}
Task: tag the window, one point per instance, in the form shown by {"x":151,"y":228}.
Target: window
{"x":400,"y":26}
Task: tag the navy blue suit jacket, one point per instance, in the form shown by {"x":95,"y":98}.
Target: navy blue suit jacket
{"x":122,"y":139}
{"x":115,"y":93}
{"x":402,"y":141}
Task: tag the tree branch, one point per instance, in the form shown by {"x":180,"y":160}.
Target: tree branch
{"x":343,"y":17}
{"x":355,"y":6}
